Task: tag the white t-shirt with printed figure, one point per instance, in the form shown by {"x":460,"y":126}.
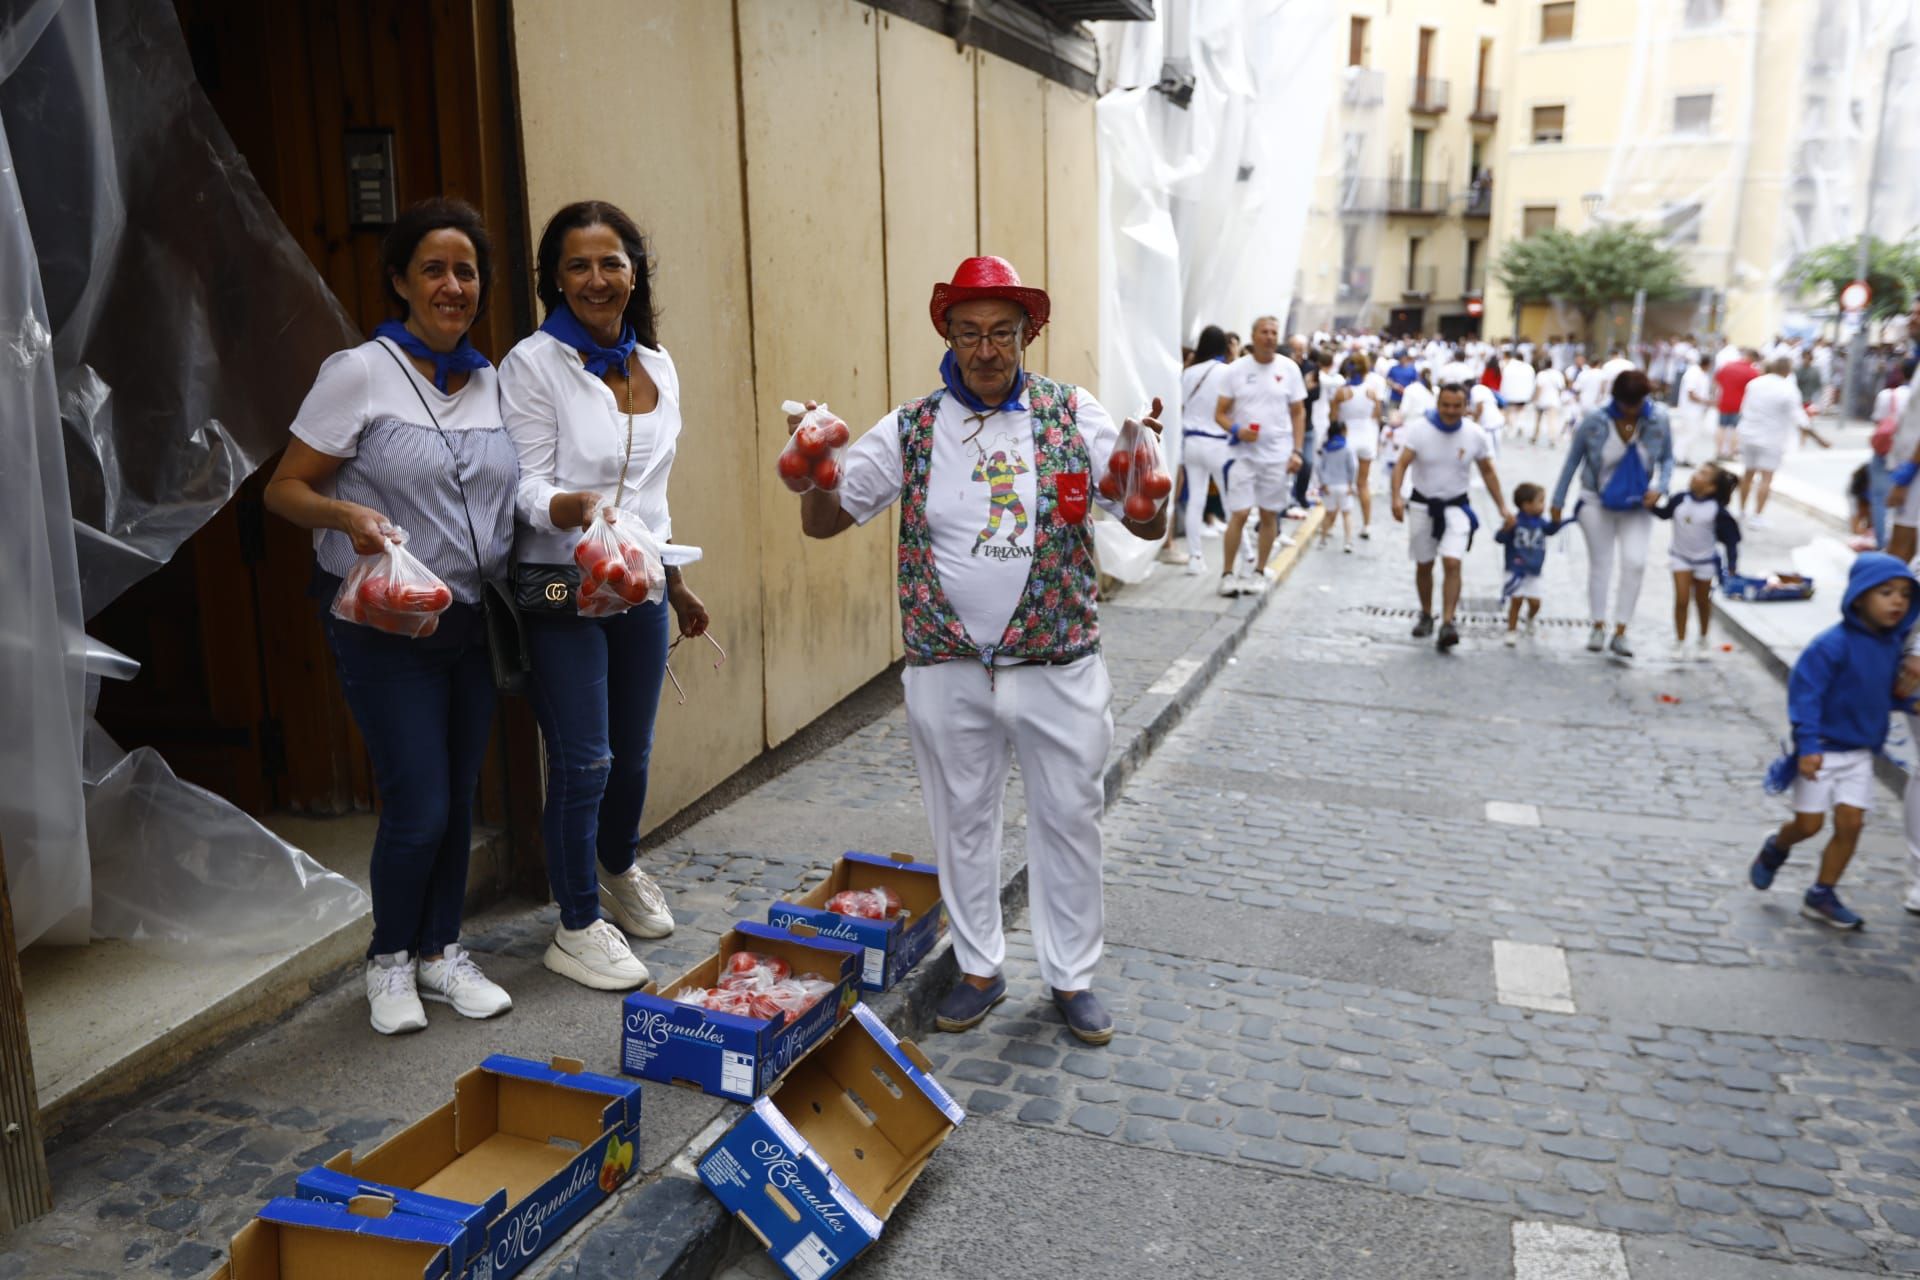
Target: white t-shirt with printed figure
{"x":1443,"y":461}
{"x":981,"y":499}
{"x":1266,"y":394}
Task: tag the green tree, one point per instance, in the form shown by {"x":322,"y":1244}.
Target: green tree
{"x":1893,"y":272}
{"x":1591,"y":270}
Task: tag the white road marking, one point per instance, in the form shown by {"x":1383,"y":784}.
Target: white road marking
{"x":1175,"y":678}
{"x":1512,"y":814}
{"x":1548,"y":1251}
{"x":1532,"y":975}
{"x":688,"y":1161}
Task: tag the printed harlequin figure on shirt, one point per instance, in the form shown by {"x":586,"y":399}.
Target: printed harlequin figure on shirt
{"x":999,"y":472}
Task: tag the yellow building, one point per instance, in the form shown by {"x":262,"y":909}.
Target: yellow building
{"x":1398,"y":234}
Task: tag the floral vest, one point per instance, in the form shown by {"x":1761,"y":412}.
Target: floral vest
{"x":1057,"y":618}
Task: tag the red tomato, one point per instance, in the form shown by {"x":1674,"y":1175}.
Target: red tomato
{"x":811,"y":440}
{"x":793,"y":465}
{"x":744,"y":962}
{"x":836,"y":434}
{"x":1156,"y":484}
{"x":826,"y":474}
{"x":584,"y":554}
{"x":1251,"y":431}
{"x":418,"y":597}
{"x":1110,"y":487}
{"x":1117,"y":465}
{"x":1140,"y":508}
{"x":373,"y":590}
{"x":801,"y":483}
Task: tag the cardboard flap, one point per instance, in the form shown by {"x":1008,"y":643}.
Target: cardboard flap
{"x":371,"y":1204}
{"x":411,"y":1156}
{"x":476,"y":1108}
{"x":571,"y":1073}
{"x":917,"y":1071}
{"x":567,"y":1066}
{"x":303,"y":1239}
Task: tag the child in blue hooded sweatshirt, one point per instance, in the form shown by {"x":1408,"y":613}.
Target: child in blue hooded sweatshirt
{"x":1838,"y":699}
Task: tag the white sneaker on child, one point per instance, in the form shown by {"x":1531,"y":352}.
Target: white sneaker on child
{"x":391,"y":996}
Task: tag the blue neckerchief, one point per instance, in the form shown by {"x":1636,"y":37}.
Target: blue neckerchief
{"x":1433,"y":416}
{"x":464,"y":358}
{"x":564,"y":325}
{"x":1334,"y":444}
{"x":1219,"y":359}
{"x":957,"y":388}
{"x":1357,"y":379}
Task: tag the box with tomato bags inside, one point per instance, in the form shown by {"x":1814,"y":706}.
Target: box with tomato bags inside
{"x":889,"y":904}
{"x":734,"y":1023}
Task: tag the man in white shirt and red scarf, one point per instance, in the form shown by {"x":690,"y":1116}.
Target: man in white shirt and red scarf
{"x":1001,"y":625}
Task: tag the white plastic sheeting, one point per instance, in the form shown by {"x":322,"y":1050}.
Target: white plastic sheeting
{"x":1204,"y":207}
{"x":152,"y":307}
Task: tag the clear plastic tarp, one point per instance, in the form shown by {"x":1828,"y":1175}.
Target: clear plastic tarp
{"x":151,"y":308}
{"x":1202,"y":208}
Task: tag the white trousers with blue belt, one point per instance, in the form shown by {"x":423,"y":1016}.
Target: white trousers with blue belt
{"x":966,"y":730}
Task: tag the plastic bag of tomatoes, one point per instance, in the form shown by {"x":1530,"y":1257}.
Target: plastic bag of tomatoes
{"x":392,"y":591}
{"x":619,"y":563}
{"x":1136,"y":478}
{"x":816,"y":452}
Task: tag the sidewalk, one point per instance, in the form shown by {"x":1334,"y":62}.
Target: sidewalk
{"x":162,"y":1186}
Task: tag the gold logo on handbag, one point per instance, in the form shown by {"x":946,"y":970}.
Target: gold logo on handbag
{"x":556,"y":591}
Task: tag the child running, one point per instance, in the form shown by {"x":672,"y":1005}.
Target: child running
{"x":1838,"y":699}
{"x":1337,"y":467}
{"x":1701,"y":523}
{"x":1526,"y":556}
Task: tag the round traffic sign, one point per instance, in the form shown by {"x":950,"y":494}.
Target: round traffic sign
{"x":1856,"y":296}
{"x":1475,"y":306}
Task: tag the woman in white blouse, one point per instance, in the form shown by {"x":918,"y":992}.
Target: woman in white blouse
{"x":592,"y":402}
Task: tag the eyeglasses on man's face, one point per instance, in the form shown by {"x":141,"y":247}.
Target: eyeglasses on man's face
{"x":963,"y":339}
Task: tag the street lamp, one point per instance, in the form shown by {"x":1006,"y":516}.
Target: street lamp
{"x":1591,"y":202}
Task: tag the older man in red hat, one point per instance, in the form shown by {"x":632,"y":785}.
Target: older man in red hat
{"x":993,"y":472}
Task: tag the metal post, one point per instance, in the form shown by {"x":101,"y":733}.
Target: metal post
{"x":1639,"y":321}
{"x":1859,"y":394}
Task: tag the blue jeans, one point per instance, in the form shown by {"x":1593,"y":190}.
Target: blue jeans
{"x":1879,"y":484}
{"x":596,"y":691}
{"x":425,"y":708}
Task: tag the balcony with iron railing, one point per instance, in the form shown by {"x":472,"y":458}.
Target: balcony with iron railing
{"x":1475,"y":285}
{"x":1479,"y":199}
{"x":1429,"y":96}
{"x":1356,"y":284}
{"x":1486,"y":106}
{"x":1363,"y":87}
{"x":1420,"y":282}
{"x":1400,"y":196}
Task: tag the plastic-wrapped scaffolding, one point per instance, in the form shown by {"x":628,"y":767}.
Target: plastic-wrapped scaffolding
{"x":152,"y":307}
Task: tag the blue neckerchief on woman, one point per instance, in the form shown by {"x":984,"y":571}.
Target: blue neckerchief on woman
{"x":465,"y":358}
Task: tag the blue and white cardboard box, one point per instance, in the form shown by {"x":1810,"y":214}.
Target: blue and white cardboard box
{"x":817,"y":1166}
{"x":889,"y":948}
{"x":731,"y":1055}
{"x":528,"y":1146}
{"x":365,"y":1238}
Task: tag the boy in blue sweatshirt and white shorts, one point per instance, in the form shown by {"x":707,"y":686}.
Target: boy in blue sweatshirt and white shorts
{"x":1838,"y":698}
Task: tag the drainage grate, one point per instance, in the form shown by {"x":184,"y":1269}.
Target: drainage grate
{"x":1470,"y":617}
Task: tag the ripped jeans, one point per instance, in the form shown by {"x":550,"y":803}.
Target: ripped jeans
{"x":596,"y":690}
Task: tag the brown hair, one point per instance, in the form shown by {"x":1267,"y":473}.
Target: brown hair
{"x":640,"y":313}
{"x":440,"y":213}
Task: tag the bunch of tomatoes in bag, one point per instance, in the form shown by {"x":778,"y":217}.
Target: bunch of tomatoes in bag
{"x":877,"y":903}
{"x":1136,"y":478}
{"x":391,"y":591}
{"x":758,"y":986}
{"x":619,"y":565}
{"x":815,"y":454}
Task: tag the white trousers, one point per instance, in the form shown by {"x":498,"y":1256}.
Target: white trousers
{"x":1913,"y":817}
{"x":965,"y":731}
{"x":1611,"y":535}
{"x":1205,"y":460}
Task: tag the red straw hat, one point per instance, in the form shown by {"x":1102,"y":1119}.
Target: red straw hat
{"x":989,"y":278}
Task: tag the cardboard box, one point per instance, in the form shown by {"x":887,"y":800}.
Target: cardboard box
{"x":366,"y":1239}
{"x":726,"y":1054}
{"x":334,"y":1183}
{"x":817,"y":1166}
{"x":529,"y":1146}
{"x":890,"y":947}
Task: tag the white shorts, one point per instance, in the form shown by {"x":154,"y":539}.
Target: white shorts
{"x":1424,"y":546}
{"x":1337,"y":497}
{"x":1700,"y":572}
{"x":1845,"y":777}
{"x":1908,"y":516}
{"x":1261,"y":483}
{"x":1526,"y":589}
{"x":1365,"y":450}
{"x":1759,"y":457}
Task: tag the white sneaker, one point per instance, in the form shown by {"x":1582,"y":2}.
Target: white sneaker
{"x":596,"y":956}
{"x":1196,"y":565}
{"x":1756,"y":521}
{"x":456,"y":980}
{"x":1212,"y":530}
{"x":1255,"y":584}
{"x":1512,"y":639}
{"x":390,"y":993}
{"x":1348,"y":548}
{"x":636,"y":903}
{"x":1229,"y":586}
{"x":1704,"y":648}
{"x":1287,"y":540}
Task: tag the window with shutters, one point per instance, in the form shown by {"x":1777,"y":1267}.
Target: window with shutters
{"x":1536,"y":218}
{"x":1550,"y":123}
{"x":1693,"y":113}
{"x":1556,"y":22}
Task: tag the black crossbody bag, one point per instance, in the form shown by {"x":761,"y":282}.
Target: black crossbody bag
{"x":506,"y":642}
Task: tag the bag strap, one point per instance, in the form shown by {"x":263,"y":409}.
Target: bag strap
{"x":479,"y":567}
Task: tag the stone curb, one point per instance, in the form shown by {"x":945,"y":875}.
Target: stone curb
{"x":670,"y":1228}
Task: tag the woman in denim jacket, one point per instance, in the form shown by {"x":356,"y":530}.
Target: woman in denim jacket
{"x":1631,"y":423}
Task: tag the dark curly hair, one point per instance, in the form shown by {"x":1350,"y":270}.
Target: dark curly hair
{"x":441,"y":213}
{"x":640,"y":313}
{"x":1632,"y":387}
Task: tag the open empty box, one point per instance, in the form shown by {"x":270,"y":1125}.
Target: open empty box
{"x":889,"y":948}
{"x":528,"y":1146}
{"x":817,"y":1166}
{"x":367,"y":1239}
{"x":733,"y":1055}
